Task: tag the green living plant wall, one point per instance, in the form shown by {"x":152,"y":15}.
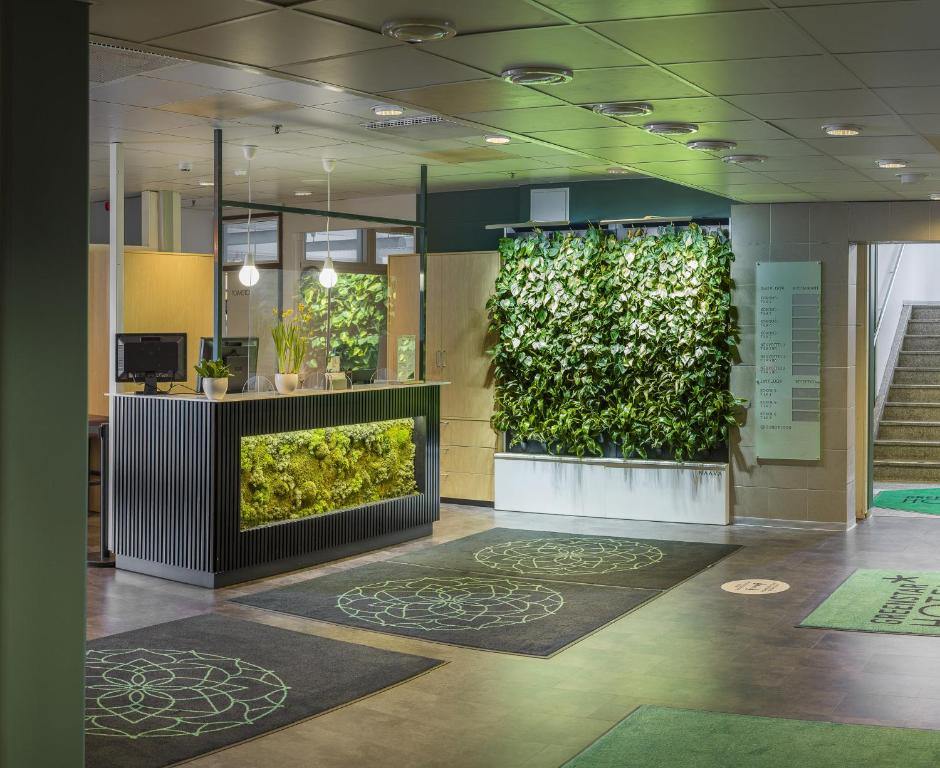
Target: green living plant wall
{"x":357,"y":317}
{"x":293,"y":475}
{"x":624,"y":341}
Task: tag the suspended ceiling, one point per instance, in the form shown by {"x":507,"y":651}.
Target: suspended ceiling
{"x":764,"y":73}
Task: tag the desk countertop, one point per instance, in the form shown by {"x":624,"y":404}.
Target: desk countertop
{"x":238,"y":397}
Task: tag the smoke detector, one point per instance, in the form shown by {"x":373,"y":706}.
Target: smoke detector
{"x":185,"y":166}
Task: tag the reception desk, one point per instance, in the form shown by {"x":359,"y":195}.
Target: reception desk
{"x":178,"y":488}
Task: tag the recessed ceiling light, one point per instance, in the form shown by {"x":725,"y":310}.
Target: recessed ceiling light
{"x":892,"y":163}
{"x":388,"y":110}
{"x":842,"y":129}
{"x":537,"y":75}
{"x":334,"y":88}
{"x":623,"y":108}
{"x":616,"y":171}
{"x":743,"y":159}
{"x":711,"y":145}
{"x":206,"y":183}
{"x":671,"y":129}
{"x":418,"y":30}
{"x":302,"y":193}
{"x":496,"y":138}
{"x":934,"y":195}
{"x":910,"y":178}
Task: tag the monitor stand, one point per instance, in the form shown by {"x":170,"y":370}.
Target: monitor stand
{"x":150,"y":386}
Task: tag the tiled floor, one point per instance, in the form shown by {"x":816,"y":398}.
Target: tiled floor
{"x":696,"y":646}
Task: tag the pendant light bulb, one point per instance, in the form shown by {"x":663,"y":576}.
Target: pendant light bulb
{"x":249,"y":275}
{"x":328,"y":276}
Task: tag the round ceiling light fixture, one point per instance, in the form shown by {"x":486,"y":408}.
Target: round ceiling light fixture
{"x":302,"y":193}
{"x":419,"y":30}
{"x":206,"y":183}
{"x":496,"y":138}
{"x":623,"y":108}
{"x":711,"y":145}
{"x":934,"y":196}
{"x":537,"y":75}
{"x":842,"y":129}
{"x":892,"y":163}
{"x":910,"y":178}
{"x":388,"y":110}
{"x":743,"y":159}
{"x":671,"y":129}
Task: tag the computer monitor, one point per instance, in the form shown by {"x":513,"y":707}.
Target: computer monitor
{"x":150,"y":357}
{"x":240,"y":353}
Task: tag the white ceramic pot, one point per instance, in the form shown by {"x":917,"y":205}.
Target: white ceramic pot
{"x":286,"y":383}
{"x":215,"y":389}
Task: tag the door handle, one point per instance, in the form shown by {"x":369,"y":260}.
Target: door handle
{"x":444,"y":358}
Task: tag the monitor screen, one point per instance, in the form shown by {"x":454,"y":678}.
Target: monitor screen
{"x":159,"y":356}
{"x":240,"y":353}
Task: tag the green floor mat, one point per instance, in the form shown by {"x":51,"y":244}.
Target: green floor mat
{"x":660,"y":737}
{"x":924,"y":500}
{"x":905,"y":602}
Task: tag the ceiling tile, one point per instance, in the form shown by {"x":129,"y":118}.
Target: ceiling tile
{"x":850,"y":103}
{"x":386,"y":69}
{"x":713,"y":37}
{"x":893,"y":69}
{"x":140,"y":20}
{"x":792,"y":73}
{"x":866,"y":163}
{"x":475,"y":96}
{"x":214,"y":76}
{"x":621,"y":84}
{"x":570,"y":47}
{"x":912,"y":101}
{"x":306,"y":94}
{"x":834,"y":175}
{"x":737,"y":130}
{"x":143,"y":91}
{"x":229,"y":106}
{"x":601,"y":10}
{"x":274,"y":39}
{"x":777,"y":149}
{"x":925,"y":124}
{"x":869,"y":190}
{"x":540,"y":119}
{"x":882,"y":146}
{"x":872,"y":125}
{"x":696,"y":109}
{"x":876,"y":26}
{"x":138,"y":118}
{"x":468,"y":17}
{"x":682,"y":167}
{"x":660,"y":153}
{"x":594,"y":138}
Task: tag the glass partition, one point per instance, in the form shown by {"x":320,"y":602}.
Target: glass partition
{"x":363,"y":328}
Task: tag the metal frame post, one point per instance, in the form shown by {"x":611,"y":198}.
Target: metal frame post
{"x":422,"y":271}
{"x":218,"y":286}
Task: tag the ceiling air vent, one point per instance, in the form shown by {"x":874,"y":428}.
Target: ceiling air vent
{"x":405,"y":122}
{"x":421,"y":128}
{"x":107,"y":63}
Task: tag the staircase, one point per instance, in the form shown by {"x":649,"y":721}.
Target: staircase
{"x":907,"y":448}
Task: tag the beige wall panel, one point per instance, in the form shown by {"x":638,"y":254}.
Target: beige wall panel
{"x":403,"y":306}
{"x":468,"y":432}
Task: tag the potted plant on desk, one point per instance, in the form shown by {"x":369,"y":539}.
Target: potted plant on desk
{"x":289,"y":345}
{"x":214,"y":374}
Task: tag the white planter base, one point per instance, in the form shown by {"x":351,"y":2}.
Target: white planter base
{"x":623,"y":489}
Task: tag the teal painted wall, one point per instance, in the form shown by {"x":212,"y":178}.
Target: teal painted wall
{"x":457,"y":219}
{"x":43,"y":402}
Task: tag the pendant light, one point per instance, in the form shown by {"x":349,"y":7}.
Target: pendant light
{"x":249,"y":275}
{"x":328,"y":276}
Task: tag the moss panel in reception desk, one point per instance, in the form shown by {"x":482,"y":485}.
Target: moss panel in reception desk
{"x":294,"y":475}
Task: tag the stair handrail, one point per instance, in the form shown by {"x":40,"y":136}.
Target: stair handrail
{"x":884,"y":304}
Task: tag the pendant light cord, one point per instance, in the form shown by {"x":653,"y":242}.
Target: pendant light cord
{"x":248,"y":259}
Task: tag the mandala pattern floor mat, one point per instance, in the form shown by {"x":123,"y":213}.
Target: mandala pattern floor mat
{"x":167,"y":693}
{"x":606,"y":560}
{"x":512,"y":614}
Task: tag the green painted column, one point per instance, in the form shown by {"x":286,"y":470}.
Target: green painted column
{"x":43,"y":359}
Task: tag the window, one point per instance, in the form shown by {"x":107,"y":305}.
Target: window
{"x":345,"y":245}
{"x":392,"y":243}
{"x":265,"y":241}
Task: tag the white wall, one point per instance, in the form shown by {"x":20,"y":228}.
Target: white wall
{"x":916,"y":279}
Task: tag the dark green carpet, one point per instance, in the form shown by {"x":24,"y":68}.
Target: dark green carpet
{"x":174,"y":691}
{"x":660,"y":737}
{"x":512,"y":614}
{"x":609,"y":560}
{"x":900,"y":602}
{"x":923,"y":500}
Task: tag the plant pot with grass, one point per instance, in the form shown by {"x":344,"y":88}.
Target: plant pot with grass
{"x":289,"y":346}
{"x":214,"y":375}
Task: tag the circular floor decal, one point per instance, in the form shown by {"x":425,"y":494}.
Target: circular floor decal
{"x":569,"y":556}
{"x":755,"y":587}
{"x":444,"y":603}
{"x":142,"y":693}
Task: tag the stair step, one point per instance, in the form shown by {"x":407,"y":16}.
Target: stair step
{"x":888,"y":470}
{"x":923,"y":343}
{"x":907,"y":450}
{"x":916,"y":376}
{"x":925,"y":312}
{"x":911,"y":359}
{"x":923,"y":327}
{"x":914,"y":393}
{"x":908,"y":430}
{"x":925,"y":412}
